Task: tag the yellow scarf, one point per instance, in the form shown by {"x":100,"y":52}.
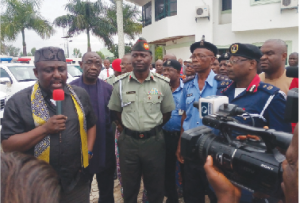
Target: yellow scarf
{"x":41,"y":115}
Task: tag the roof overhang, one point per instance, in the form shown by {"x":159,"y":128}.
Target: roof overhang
{"x":165,"y":40}
{"x":139,"y":2}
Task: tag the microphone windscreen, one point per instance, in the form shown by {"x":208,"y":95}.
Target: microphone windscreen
{"x":292,"y":71}
{"x":58,"y":95}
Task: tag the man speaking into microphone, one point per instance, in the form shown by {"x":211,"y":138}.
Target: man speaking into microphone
{"x":30,"y":124}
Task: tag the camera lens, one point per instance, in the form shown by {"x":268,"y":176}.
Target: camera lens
{"x":204,"y":144}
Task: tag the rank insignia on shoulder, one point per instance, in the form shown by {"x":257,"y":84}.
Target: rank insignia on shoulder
{"x":270,"y":87}
{"x":221,"y":77}
{"x":189,"y":95}
{"x":120,"y":77}
{"x":264,"y":86}
{"x":189,"y":79}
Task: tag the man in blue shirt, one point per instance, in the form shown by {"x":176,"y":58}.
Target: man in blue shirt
{"x":203,"y":84}
{"x":171,"y":69}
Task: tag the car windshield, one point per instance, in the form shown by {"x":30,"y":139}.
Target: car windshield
{"x":23,"y":73}
{"x":74,"y":71}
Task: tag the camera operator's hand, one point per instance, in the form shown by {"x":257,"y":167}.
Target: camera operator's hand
{"x":224,"y":189}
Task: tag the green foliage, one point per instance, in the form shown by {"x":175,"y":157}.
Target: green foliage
{"x":29,"y":54}
{"x":86,"y":17}
{"x":33,"y":51}
{"x":77,"y":53}
{"x":114,"y":49}
{"x":100,"y":54}
{"x":20,"y":15}
{"x":159,"y":53}
{"x":131,"y":16}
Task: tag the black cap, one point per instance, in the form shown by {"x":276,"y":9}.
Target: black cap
{"x":173,"y":63}
{"x":141,"y":45}
{"x":248,"y":51}
{"x":49,"y":54}
{"x":205,"y":45}
{"x":224,"y":57}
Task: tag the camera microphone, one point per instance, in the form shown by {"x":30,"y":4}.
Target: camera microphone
{"x":58,"y":96}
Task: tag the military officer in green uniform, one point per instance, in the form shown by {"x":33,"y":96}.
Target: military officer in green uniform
{"x":143,"y":102}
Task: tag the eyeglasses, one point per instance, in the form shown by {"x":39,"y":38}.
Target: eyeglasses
{"x":235,"y":61}
{"x":201,"y":56}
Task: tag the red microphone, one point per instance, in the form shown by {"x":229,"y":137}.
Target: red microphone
{"x":58,"y":96}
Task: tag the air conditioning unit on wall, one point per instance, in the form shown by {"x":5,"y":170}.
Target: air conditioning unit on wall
{"x":288,"y":4}
{"x":202,"y":12}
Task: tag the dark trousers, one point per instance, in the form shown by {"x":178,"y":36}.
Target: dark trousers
{"x":171,"y":141}
{"x":105,"y":180}
{"x":79,"y":194}
{"x":195,"y":183}
{"x":142,"y":157}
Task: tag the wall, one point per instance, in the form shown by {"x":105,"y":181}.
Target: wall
{"x":267,"y":16}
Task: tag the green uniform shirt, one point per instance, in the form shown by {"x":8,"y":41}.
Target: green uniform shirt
{"x":111,"y":79}
{"x":143,"y":103}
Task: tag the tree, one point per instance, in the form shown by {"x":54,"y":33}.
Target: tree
{"x":100,"y":54}
{"x":86,"y":17}
{"x":130,"y":17}
{"x":77,"y":53}
{"x":33,"y":51}
{"x":114,"y":49}
{"x":20,"y":15}
{"x":158,"y":53}
{"x":11,"y":50}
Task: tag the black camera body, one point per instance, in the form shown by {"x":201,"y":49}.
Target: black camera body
{"x":291,"y":110}
{"x":249,"y":164}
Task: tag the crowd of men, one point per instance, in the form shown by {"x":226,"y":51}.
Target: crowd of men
{"x":146,"y":107}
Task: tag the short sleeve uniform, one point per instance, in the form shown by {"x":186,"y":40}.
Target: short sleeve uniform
{"x":192,"y":93}
{"x":142,"y":104}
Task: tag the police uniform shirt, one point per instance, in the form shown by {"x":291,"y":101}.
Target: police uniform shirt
{"x":174,"y":124}
{"x":143,"y":103}
{"x":264,"y":102}
{"x":190,"y":94}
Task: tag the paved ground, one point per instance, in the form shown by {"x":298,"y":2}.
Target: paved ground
{"x":94,"y":196}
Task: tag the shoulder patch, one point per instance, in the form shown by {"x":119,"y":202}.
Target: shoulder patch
{"x":221,"y":77}
{"x":161,"y":77}
{"x":121,"y":77}
{"x":189,"y":79}
{"x":270,"y":89}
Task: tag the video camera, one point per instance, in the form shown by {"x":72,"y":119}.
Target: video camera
{"x":249,"y":164}
{"x":291,"y":111}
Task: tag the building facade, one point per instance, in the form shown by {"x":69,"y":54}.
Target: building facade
{"x":176,"y":24}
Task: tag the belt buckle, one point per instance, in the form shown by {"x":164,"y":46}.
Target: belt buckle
{"x":141,"y":136}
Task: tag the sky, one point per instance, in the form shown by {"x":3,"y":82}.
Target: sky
{"x":50,"y":9}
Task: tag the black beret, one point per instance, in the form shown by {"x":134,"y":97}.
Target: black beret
{"x":173,"y":63}
{"x":224,"y":57}
{"x":141,"y":45}
{"x":205,"y":45}
{"x":248,"y":51}
{"x":49,"y":54}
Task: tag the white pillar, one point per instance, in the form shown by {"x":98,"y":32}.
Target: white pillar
{"x":121,"y":46}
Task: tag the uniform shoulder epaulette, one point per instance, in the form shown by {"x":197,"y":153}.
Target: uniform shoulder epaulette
{"x":162,"y":77}
{"x":270,"y":89}
{"x":189,"y":78}
{"x":221,"y":77}
{"x":108,"y":78}
{"x":121,"y":77}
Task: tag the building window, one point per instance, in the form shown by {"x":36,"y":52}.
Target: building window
{"x":164,"y":8}
{"x":261,"y":2}
{"x":147,"y":14}
{"x":226,"y":5}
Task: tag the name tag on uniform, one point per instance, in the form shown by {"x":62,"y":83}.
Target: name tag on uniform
{"x":131,"y":92}
{"x":180,"y":112}
{"x":188,"y":95}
